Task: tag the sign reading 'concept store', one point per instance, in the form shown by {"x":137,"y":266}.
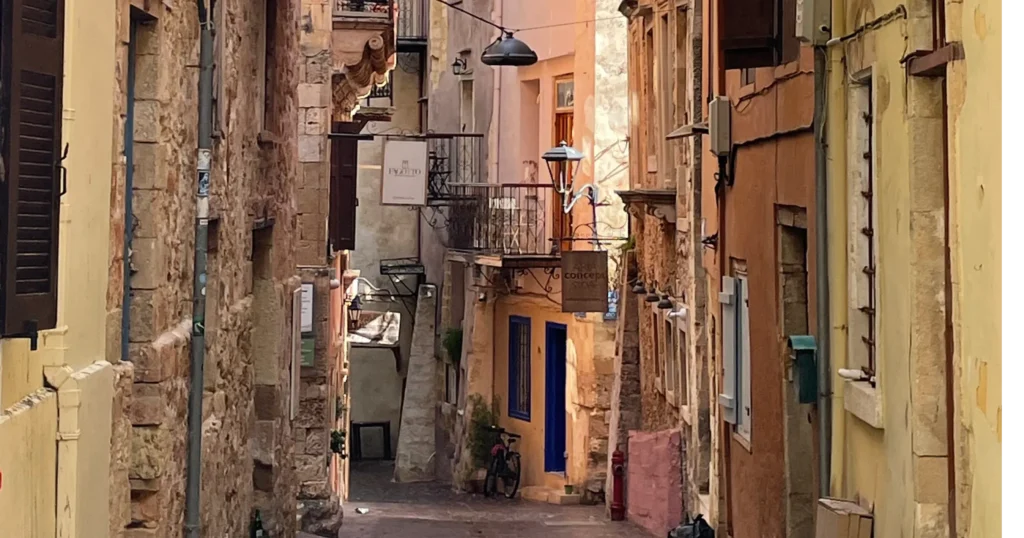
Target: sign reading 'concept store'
{"x":585,"y":281}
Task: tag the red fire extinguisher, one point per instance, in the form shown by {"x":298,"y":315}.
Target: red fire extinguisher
{"x":618,"y":507}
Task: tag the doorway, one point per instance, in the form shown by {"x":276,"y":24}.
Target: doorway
{"x":554,"y":398}
{"x":561,"y":229}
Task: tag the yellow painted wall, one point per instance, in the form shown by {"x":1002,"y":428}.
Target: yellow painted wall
{"x":974,"y":94}
{"x":579,"y":356}
{"x":28,"y":441}
{"x":72,"y":356}
{"x":881,"y":468}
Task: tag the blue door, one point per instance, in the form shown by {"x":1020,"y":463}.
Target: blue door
{"x":554,"y":398}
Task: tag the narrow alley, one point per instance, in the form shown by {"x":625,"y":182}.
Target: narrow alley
{"x":430,"y":510}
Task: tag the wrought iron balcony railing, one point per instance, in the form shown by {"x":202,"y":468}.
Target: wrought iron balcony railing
{"x":364,"y":9}
{"x":506,"y":219}
{"x":383,"y":91}
{"x":413,"y":20}
{"x":453,"y":159}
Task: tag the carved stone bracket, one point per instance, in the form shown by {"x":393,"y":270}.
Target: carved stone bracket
{"x":660,"y":203}
{"x":362,"y":59}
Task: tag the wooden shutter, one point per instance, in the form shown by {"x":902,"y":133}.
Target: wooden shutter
{"x":743,"y":355}
{"x":751,"y":33}
{"x":32,"y":73}
{"x":728,"y":300}
{"x":343,"y":201}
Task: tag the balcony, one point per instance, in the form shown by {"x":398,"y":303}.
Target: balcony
{"x":383,"y":91}
{"x":371,"y":12}
{"x":502,"y":225}
{"x":454,"y":159}
{"x":413,"y":22}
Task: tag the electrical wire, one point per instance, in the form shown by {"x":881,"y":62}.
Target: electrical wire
{"x":546,"y":26}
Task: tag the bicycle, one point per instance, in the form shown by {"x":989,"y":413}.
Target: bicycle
{"x":505,"y":464}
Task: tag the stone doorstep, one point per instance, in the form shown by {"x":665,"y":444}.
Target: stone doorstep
{"x":550,"y":496}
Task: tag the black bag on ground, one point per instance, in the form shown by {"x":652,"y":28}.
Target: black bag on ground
{"x":698,"y":528}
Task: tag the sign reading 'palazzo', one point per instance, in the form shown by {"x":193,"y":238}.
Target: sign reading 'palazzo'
{"x":404,"y":170}
{"x":585,"y":281}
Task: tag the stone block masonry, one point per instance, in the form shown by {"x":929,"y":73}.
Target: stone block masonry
{"x":415,"y":458}
{"x":255,"y":171}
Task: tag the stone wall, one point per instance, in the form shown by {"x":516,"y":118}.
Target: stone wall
{"x":254,"y":172}
{"x":625,"y":397}
{"x":319,"y":506}
{"x":415,"y":456}
{"x":314,"y":114}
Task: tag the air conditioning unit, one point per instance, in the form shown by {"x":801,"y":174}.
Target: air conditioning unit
{"x":812,"y":21}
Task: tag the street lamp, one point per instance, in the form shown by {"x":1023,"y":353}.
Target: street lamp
{"x":560,"y":161}
{"x":459,"y":66}
{"x":507,"y":50}
{"x":355,"y":313}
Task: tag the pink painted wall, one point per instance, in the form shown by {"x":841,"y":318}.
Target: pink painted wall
{"x":654,"y":480}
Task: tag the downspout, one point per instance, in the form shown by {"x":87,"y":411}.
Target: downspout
{"x":497,"y":102}
{"x":202,"y":226}
{"x":129,"y":219}
{"x":59,"y":377}
{"x":821,"y":273}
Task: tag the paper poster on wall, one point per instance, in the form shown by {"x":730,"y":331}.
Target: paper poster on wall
{"x":307,"y":308}
{"x":404,"y":173}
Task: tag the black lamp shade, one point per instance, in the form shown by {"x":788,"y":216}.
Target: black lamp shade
{"x":665,"y":303}
{"x":508,"y":50}
{"x":562,"y":153}
{"x":652,"y":298}
{"x":639,"y":288}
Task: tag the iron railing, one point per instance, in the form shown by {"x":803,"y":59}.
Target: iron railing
{"x":505,"y":219}
{"x":364,"y":9}
{"x":383,"y":91}
{"x":453,"y":159}
{"x":413,"y":20}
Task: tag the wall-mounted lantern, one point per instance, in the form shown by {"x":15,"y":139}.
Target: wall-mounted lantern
{"x":459,"y":67}
{"x":355,"y":313}
{"x":639,"y":288}
{"x":665,"y":303}
{"x":561,"y":161}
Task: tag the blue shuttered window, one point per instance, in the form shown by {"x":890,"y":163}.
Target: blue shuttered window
{"x":519,"y":367}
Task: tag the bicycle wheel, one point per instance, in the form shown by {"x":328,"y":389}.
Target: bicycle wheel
{"x":491,"y":479}
{"x":513,"y":469}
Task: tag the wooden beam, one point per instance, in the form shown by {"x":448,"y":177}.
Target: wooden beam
{"x":933,"y":64}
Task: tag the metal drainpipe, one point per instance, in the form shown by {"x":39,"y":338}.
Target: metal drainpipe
{"x":198,"y":347}
{"x":821,"y":274}
{"x":129,"y":219}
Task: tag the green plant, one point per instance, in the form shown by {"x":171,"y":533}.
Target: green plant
{"x":628,"y":245}
{"x":481,"y":439}
{"x":452,"y":343}
{"x":338,"y":443}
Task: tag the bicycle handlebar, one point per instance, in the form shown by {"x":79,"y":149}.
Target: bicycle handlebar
{"x":502,"y":431}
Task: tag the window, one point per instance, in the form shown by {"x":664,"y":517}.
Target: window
{"x":651,"y":115}
{"x":564,"y":99}
{"x":265,"y":74}
{"x":31,"y":172}
{"x":666,"y":103}
{"x":747,"y":76}
{"x":863,"y":248}
{"x":669,"y":357}
{"x":679,"y":364}
{"x":519,"y":367}
{"x":659,"y":353}
{"x":467,"y":122}
{"x":736,"y":396}
{"x":752,"y":36}
{"x":451,"y":383}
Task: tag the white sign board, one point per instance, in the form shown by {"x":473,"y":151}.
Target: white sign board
{"x":307,"y":308}
{"x":296,"y":369}
{"x":404,"y":180}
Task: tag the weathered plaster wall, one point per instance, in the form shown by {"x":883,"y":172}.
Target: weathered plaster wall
{"x":653,"y":489}
{"x":376,"y":391}
{"x":975,"y":236}
{"x":774,"y":165}
{"x":29,"y":461}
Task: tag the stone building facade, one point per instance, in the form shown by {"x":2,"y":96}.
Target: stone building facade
{"x":248,"y":452}
{"x":663,"y":405}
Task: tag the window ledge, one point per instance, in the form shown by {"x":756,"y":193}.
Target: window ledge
{"x":864,"y":402}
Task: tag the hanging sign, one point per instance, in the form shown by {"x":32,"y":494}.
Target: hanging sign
{"x":404,"y":172}
{"x":585,"y":281}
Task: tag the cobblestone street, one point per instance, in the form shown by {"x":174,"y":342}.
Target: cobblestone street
{"x":431,"y":510}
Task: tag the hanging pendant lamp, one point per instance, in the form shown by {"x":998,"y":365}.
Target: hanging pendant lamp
{"x":508,"y":51}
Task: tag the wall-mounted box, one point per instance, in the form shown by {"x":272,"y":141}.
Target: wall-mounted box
{"x":720,"y":118}
{"x":812,"y":21}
